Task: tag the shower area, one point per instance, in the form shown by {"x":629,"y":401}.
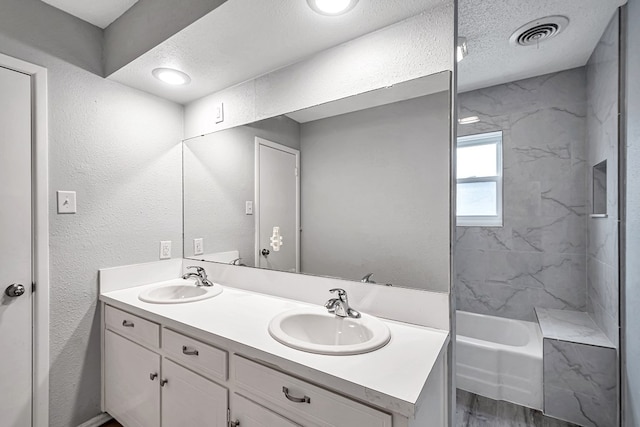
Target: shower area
{"x":544,"y":277}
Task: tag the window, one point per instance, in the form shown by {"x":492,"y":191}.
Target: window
{"x":479,"y":175}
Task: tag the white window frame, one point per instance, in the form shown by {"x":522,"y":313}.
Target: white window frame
{"x":484,"y":220}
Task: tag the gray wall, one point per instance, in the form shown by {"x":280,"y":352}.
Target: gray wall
{"x":538,"y":257}
{"x":602,"y":144}
{"x":413,"y":48}
{"x":219,"y":178}
{"x":120,"y":150}
{"x":147,"y":24}
{"x":631,"y":373}
{"x":51,"y":30}
{"x":375,"y":194}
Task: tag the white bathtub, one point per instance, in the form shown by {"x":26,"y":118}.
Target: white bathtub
{"x":499,"y":358}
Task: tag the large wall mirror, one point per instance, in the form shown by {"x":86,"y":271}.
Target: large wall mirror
{"x":357,"y":189}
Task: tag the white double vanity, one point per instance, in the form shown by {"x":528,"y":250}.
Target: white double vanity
{"x":248,"y":352}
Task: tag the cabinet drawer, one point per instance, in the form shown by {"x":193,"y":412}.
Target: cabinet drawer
{"x":135,"y":327}
{"x":316,"y":404}
{"x":250,"y":414}
{"x":201,"y":357}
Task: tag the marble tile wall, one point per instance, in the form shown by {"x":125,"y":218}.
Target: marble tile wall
{"x":580,"y":383}
{"x":478,"y":411}
{"x":538,"y":258}
{"x":602,"y":144}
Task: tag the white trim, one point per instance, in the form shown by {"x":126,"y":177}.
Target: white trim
{"x":97,"y":421}
{"x":256,"y":208}
{"x":256,"y":204}
{"x":40,"y":402}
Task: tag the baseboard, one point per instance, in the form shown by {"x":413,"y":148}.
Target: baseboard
{"x":97,"y":421}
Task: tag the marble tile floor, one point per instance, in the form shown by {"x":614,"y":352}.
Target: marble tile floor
{"x":478,"y":411}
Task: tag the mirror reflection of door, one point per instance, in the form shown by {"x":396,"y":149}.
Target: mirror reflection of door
{"x":277,"y":206}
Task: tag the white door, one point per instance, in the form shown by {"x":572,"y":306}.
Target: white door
{"x":277,"y":200}
{"x":15,"y":250}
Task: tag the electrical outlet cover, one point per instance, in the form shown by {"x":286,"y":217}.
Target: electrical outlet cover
{"x":198,"y":246}
{"x":165,"y":249}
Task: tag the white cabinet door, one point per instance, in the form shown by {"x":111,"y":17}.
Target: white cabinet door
{"x":250,"y":414}
{"x":191,"y":400}
{"x":132,"y":390}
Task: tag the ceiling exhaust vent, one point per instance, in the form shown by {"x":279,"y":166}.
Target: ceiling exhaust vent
{"x":538,"y":31}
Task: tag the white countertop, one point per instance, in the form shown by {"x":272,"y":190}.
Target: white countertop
{"x":392,"y":377}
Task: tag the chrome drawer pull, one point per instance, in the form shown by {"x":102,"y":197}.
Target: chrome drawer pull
{"x":305,"y":399}
{"x":127,"y":324}
{"x":185,"y":350}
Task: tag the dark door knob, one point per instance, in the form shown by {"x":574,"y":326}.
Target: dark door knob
{"x":265,"y":252}
{"x":14,"y":290}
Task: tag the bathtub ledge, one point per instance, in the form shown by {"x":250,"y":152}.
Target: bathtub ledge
{"x":572,"y":326}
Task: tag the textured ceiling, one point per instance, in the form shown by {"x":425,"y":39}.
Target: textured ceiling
{"x":488,"y":24}
{"x":243,"y":39}
{"x":100,"y":13}
{"x":411,"y":89}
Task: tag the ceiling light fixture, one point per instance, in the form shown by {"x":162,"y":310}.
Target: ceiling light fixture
{"x":171,"y":76}
{"x":332,"y":7}
{"x":462,"y":49}
{"x":469,"y":120}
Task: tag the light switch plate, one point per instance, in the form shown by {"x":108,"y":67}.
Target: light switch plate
{"x":198,"y":246}
{"x":66,"y":202}
{"x":248,"y":207}
{"x":165,"y":249}
{"x":219,"y":109}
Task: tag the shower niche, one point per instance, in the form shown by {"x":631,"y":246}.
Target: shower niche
{"x":599,"y":188}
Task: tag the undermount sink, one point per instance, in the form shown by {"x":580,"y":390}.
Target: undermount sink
{"x":317,"y":331}
{"x":179,"y":291}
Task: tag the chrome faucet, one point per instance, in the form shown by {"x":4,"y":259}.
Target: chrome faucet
{"x":367,"y":278}
{"x":237,"y":261}
{"x":340,"y":306}
{"x":200,"y":275}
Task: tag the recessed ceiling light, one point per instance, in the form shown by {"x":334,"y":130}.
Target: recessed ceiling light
{"x":171,"y":76}
{"x":469,"y":120}
{"x":332,"y":7}
{"x":462,"y":49}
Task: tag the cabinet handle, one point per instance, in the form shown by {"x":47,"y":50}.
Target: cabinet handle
{"x":185,"y":350}
{"x":127,"y":324}
{"x":235,"y":423}
{"x":153,"y":376}
{"x":163,"y":382}
{"x":305,"y":399}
